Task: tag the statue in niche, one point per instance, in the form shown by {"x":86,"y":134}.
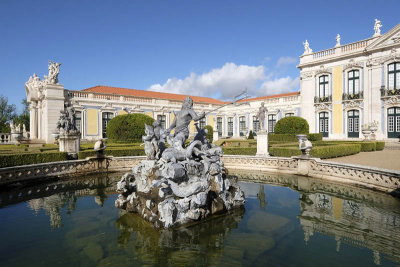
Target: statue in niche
{"x":54,"y":70}
{"x":261,"y":116}
{"x":377,"y":27}
{"x":307,"y":49}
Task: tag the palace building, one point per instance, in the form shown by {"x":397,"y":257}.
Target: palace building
{"x":342,"y":89}
{"x":353,"y":85}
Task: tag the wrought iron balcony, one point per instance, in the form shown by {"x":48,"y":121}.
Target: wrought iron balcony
{"x":323,"y":99}
{"x":385,"y":92}
{"x":359,"y":95}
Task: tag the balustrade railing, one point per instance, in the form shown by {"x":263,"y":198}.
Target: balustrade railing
{"x":324,"y":53}
{"x":323,"y":99}
{"x":389,"y":92}
{"x":5,"y":138}
{"x":354,"y":46}
{"x":347,"y":96}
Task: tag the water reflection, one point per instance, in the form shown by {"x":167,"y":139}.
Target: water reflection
{"x":200,"y":244}
{"x":354,"y":216}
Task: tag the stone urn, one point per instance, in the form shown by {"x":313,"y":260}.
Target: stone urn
{"x":305,"y":145}
{"x":373,"y":127}
{"x":366,"y":133}
{"x":16,"y":136}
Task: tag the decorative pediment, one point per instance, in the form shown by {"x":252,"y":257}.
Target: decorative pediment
{"x":352,"y":104}
{"x":390,"y":38}
{"x":353,"y":64}
{"x":107,"y":107}
{"x":392,"y":101}
{"x":322,"y":70}
{"x":323,"y":106}
{"x":394,"y":56}
{"x":306,"y":75}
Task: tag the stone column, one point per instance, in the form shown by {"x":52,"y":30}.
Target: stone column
{"x":33,"y":120}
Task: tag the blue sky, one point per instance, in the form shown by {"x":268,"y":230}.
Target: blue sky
{"x":209,"y":48}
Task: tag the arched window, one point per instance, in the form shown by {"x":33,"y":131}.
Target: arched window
{"x":393,"y":122}
{"x":106,"y":117}
{"x":323,"y":86}
{"x":219,"y":126}
{"x":394,"y":76}
{"x":230,"y":126}
{"x":242,"y":125}
{"x":353,"y":82}
{"x":256,"y":125}
{"x":324,"y":124}
{"x":271,"y":123}
{"x":353,"y":123}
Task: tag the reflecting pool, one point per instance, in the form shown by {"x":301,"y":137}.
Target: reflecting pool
{"x":287,"y":221}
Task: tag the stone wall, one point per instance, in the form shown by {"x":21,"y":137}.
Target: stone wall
{"x":373,"y":178}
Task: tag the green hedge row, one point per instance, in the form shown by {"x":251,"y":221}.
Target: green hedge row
{"x":292,"y":137}
{"x":323,"y":152}
{"x":26,"y":159}
{"x":114,"y":152}
{"x":380,"y":145}
{"x":240,"y":150}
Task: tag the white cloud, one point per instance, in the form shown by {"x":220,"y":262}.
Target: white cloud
{"x":283,"y":61}
{"x":279,"y":86}
{"x":230,"y":80}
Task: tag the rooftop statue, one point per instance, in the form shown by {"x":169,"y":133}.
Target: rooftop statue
{"x":307,"y":49}
{"x":54,"y":70}
{"x":377,"y":28}
{"x":337,"y":40}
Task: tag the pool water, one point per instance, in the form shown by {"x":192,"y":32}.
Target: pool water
{"x":287,"y":221}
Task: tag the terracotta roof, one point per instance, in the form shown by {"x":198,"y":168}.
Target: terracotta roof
{"x":150,"y":94}
{"x":269,"y":96}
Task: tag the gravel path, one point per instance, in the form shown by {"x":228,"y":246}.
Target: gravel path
{"x":387,"y":159}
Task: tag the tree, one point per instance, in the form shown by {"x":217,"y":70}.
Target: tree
{"x":7,"y":113}
{"x":291,"y":125}
{"x":128,"y":127}
{"x":210,"y":132}
{"x":23,"y":118}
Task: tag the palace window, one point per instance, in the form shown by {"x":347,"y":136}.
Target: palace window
{"x":394,"y":75}
{"x":323,"y":86}
{"x":219,"y":126}
{"x":230,"y":126}
{"x":242,"y":126}
{"x":78,"y":121}
{"x":353,"y":82}
{"x":271,"y":123}
{"x":106,"y":117}
{"x":161,"y":119}
{"x":289,"y":114}
{"x":256,"y":125}
{"x":202,"y":123}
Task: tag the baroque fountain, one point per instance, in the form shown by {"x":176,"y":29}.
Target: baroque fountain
{"x":180,"y":184}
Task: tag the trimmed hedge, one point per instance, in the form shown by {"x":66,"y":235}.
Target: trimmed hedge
{"x":210,"y":132}
{"x":380,"y":145}
{"x":114,"y":152}
{"x":291,"y":125}
{"x":128,"y":127}
{"x":314,"y":137}
{"x":367,"y":146}
{"x":240,"y":150}
{"x":26,"y":159}
{"x":274,"y":137}
{"x":323,"y":152}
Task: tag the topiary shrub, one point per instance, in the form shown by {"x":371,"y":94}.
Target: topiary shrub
{"x":210,"y":132}
{"x":291,"y":125}
{"x":380,"y":145}
{"x":251,"y":136}
{"x":128,"y":127}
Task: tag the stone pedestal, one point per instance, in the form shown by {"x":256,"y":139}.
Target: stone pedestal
{"x":215,"y":136}
{"x":70,"y":143}
{"x":262,"y":144}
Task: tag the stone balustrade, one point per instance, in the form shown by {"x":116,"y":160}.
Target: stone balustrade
{"x":5,"y":138}
{"x":368,"y":177}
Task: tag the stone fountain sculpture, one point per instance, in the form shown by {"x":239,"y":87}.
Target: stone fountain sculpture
{"x":66,"y":132}
{"x":182,"y":183}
